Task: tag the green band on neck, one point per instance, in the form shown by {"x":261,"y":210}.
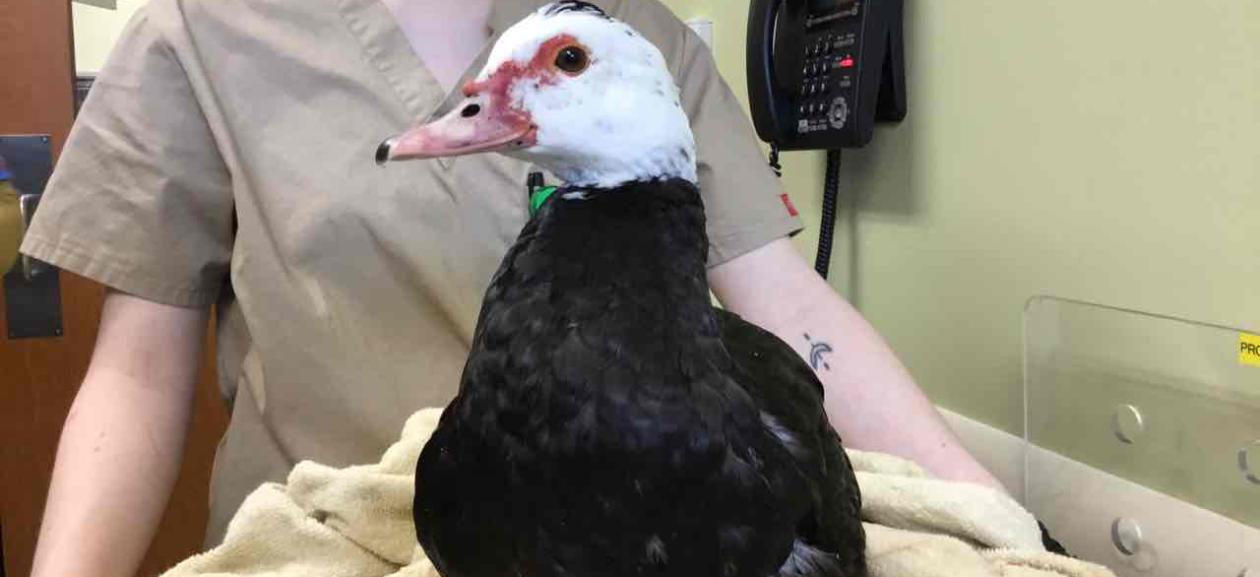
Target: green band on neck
{"x":539,"y":197}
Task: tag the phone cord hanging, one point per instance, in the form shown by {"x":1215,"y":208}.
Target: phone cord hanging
{"x":827,"y":226}
{"x":831,"y":190}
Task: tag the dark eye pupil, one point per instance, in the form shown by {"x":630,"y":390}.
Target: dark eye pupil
{"x":571,"y":59}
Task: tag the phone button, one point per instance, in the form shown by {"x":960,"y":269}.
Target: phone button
{"x":839,"y":113}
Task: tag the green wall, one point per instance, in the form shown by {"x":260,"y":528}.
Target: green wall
{"x":1102,"y":151}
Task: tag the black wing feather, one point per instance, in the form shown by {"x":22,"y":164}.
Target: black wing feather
{"x":784,"y":387}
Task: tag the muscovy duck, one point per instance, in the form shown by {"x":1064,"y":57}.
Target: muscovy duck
{"x":610,"y":421}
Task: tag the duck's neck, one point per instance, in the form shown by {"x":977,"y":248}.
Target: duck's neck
{"x":639,"y":246}
{"x":604,"y":280}
{"x":609,"y":171}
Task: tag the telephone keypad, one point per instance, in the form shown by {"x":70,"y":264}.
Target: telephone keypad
{"x":826,"y":84}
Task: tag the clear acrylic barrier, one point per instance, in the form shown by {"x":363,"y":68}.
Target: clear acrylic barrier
{"x":1143,"y":439}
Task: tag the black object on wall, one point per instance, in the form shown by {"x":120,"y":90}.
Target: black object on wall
{"x":820,"y":74}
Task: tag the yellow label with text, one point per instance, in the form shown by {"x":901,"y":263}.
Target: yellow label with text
{"x":1249,"y":349}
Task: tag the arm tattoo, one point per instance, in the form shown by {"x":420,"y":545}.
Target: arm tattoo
{"x":816,"y":352}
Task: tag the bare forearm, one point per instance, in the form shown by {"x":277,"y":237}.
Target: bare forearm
{"x":871,"y":399}
{"x":116,"y":464}
{"x":122,"y":443}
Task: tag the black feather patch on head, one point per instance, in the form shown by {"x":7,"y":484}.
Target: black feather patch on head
{"x":574,"y":6}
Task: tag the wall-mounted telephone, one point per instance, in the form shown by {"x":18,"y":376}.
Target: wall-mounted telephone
{"x":821,"y":72}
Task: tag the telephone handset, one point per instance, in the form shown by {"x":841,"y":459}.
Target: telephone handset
{"x":821,"y":72}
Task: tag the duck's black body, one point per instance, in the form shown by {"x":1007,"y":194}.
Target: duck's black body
{"x":612,"y":423}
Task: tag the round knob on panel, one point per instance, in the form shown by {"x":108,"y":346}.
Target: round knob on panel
{"x":838,"y":115}
{"x":1249,"y":462}
{"x":1127,"y":424}
{"x":1129,"y":541}
{"x":1126,"y":535}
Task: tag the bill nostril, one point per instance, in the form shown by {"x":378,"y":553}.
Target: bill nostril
{"x":470,"y":111}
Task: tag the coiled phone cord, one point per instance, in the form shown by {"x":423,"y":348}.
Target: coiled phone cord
{"x":830,"y":201}
{"x":827,"y":228}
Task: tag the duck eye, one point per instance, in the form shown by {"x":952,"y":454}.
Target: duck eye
{"x":572,"y":60}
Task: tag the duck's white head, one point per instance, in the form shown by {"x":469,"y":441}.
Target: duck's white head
{"x":573,"y":91}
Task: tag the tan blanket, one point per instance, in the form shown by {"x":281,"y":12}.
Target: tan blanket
{"x":357,"y":522}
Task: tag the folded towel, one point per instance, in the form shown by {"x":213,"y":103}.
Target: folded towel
{"x":357,"y":521}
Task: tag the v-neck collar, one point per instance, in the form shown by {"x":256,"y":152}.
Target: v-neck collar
{"x":503,"y":13}
{"x":386,"y":47}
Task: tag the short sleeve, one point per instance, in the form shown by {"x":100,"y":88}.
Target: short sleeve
{"x":140,"y":199}
{"x":745,"y":203}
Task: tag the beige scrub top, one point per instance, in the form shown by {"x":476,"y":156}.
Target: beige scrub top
{"x":225,"y":157}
